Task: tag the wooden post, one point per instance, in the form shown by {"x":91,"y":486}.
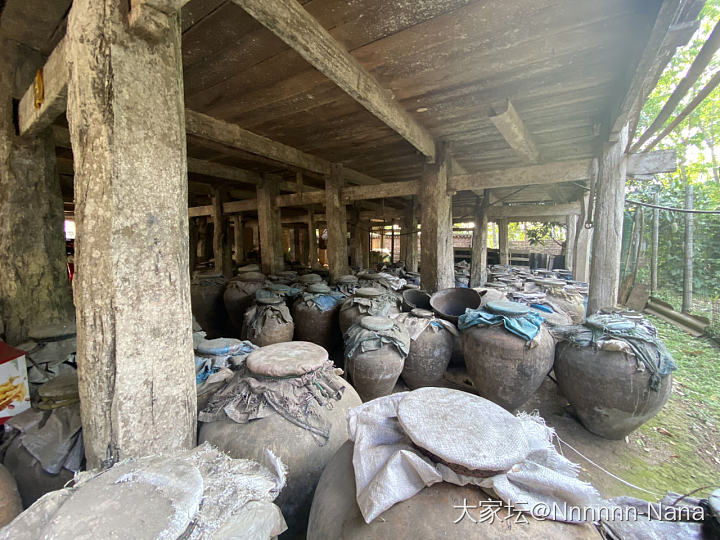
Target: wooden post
{"x":34,"y":285}
{"x":570,"y":234}
{"x":221,"y":236}
{"x":478,"y":265}
{"x":655,"y":244}
{"x":269,"y":225}
{"x":297,"y":246}
{"x":132,"y":289}
{"x":502,"y":225}
{"x":336,"y":224}
{"x":583,"y":239}
{"x":239,"y":238}
{"x":193,"y":247}
{"x":392,"y":242}
{"x":409,"y":239}
{"x":609,"y":206}
{"x":688,"y":253}
{"x":313,"y":256}
{"x":206,"y":240}
{"x":355,"y":238}
{"x":365,"y":244}
{"x":436,"y":254}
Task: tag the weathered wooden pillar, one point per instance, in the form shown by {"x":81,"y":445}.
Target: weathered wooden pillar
{"x":688,"y":252}
{"x":608,"y":224}
{"x":34,"y":285}
{"x":655,"y":244}
{"x":409,"y":239}
{"x":269,"y":225}
{"x":478,"y":266}
{"x":313,"y":257}
{"x":206,"y":239}
{"x":436,"y":264}
{"x":193,"y":244}
{"x":503,"y":243}
{"x":239,"y":238}
{"x":221,"y":235}
{"x":132,"y":289}
{"x":336,"y":224}
{"x":570,"y":233}
{"x":582,"y":243}
{"x":355,"y":238}
{"x":297,"y":246}
{"x":365,"y":243}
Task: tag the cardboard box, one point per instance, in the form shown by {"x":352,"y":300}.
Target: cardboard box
{"x":14,"y":390}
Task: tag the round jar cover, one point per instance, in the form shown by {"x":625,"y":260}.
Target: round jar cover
{"x":248,"y":268}
{"x":509,"y":309}
{"x":376,"y":324}
{"x":347,"y":278}
{"x":250,"y":276}
{"x":463,"y":429}
{"x":310,"y":278}
{"x":292,"y":358}
{"x":269,"y":299}
{"x":319,"y":288}
{"x":421,"y":313}
{"x":368,"y":292}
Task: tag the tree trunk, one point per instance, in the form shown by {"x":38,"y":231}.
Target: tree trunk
{"x":134,"y":338}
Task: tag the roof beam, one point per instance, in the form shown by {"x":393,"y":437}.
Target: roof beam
{"x":533,"y":211}
{"x":289,"y":21}
{"x":512,"y":128}
{"x":46,"y":98}
{"x":662,"y":161}
{"x":549,"y":173}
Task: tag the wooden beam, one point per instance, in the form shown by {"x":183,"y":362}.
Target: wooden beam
{"x":301,"y":199}
{"x":382,"y":191}
{"x":701,"y":61}
{"x":532,"y":211}
{"x":288,"y":20}
{"x":658,"y":51}
{"x":46,"y":99}
{"x":550,"y":173}
{"x":662,"y":161}
{"x":512,"y":128}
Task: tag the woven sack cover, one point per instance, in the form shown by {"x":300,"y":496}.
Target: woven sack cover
{"x":250,"y":276}
{"x":310,"y":278}
{"x":150,"y":498}
{"x":292,"y":358}
{"x":421,"y":313}
{"x":368,"y":292}
{"x":508,"y":309}
{"x":52,"y":331}
{"x":319,"y":288}
{"x":376,"y":324}
{"x":463,"y":429}
{"x":64,"y":386}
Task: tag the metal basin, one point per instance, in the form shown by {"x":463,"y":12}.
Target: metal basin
{"x":415,"y":298}
{"x":449,"y":304}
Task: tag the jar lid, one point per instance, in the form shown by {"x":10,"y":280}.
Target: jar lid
{"x":250,"y":276}
{"x":279,"y":288}
{"x":509,"y":309}
{"x":463,"y":429}
{"x":291,"y":358}
{"x":421,"y":313}
{"x":248,"y":268}
{"x":287,"y":274}
{"x":376,"y":324}
{"x":310,"y":278}
{"x":54,"y":331}
{"x":348,"y":278}
{"x":374,"y":275}
{"x":368,"y":292}
{"x":319,"y":288}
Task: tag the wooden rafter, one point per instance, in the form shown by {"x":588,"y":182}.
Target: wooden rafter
{"x":512,"y":128}
{"x":288,"y":20}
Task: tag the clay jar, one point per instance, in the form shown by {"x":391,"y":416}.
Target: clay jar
{"x":366,"y":301}
{"x":374,"y":373}
{"x":314,"y":324}
{"x":430,"y":350}
{"x":302,"y":453}
{"x":206,"y":298}
{"x":430,"y":514}
{"x":276,"y":329}
{"x":239,"y":296}
{"x":505,"y":368}
{"x":610,"y":394}
{"x":346,"y":285}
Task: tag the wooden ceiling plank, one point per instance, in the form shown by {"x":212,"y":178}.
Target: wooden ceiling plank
{"x":296,"y":27}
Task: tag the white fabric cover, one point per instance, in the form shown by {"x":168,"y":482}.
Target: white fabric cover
{"x":389,"y":468}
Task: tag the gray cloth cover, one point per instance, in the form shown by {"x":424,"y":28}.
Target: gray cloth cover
{"x":358,"y":337}
{"x":389,"y":468}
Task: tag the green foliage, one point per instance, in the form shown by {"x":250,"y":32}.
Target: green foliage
{"x":697,"y":142}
